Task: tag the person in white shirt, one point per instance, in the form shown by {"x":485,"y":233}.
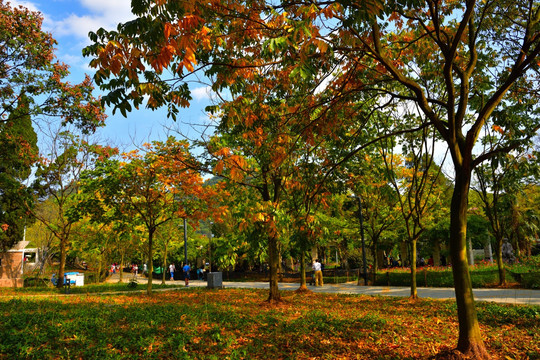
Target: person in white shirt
{"x":172,"y":269}
{"x":318,"y":273}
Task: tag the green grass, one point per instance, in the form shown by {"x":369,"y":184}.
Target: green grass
{"x":86,"y":289}
{"x":197,"y":323}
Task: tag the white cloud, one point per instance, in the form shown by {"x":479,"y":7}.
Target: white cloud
{"x":202,"y":93}
{"x":98,"y":13}
{"x":26,"y":4}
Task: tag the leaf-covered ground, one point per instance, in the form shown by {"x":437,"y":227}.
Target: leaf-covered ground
{"x":239,"y":324}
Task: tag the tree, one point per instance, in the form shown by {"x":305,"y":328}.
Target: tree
{"x":498,"y":185}
{"x":18,"y":142}
{"x":151,"y":188}
{"x":30,"y":74}
{"x":32,"y":89}
{"x":56,"y":182}
{"x":458,"y":83}
{"x":380,"y":202}
{"x":419,"y":189}
{"x":460,"y":62}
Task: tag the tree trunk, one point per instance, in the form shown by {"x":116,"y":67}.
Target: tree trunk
{"x":163,"y":273}
{"x":500,"y":262}
{"x":414,"y":291}
{"x":437,"y":253}
{"x":62,"y":266}
{"x":273,"y":262}
{"x":303,"y":283}
{"x":98,"y":275}
{"x":122,"y":266}
{"x":404,"y":253}
{"x":150,"y":261}
{"x":376,"y":258}
{"x":470,"y":339}
{"x":280,"y":264}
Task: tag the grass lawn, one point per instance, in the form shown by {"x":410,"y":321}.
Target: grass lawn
{"x":198,"y":323}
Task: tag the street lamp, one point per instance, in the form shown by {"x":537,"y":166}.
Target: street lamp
{"x":363,"y":241}
{"x":210,"y":236}
{"x":185,"y":241}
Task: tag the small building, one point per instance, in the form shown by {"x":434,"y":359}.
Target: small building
{"x":14,"y":262}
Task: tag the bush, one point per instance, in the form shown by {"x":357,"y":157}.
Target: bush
{"x":36,"y":281}
{"x":481,"y":276}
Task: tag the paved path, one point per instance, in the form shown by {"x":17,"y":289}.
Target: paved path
{"x":507,"y":296}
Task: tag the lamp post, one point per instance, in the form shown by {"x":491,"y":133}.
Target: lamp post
{"x":210,"y":235}
{"x":185,"y":241}
{"x":363,"y":241}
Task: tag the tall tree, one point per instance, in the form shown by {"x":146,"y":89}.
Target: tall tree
{"x":417,"y":183}
{"x":28,"y":70}
{"x":56,"y":182}
{"x":18,"y":142}
{"x":32,"y":89}
{"x":498,"y":185}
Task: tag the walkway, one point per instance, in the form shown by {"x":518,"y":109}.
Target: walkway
{"x":507,"y":296}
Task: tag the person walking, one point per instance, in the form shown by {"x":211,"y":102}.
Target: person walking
{"x":172,"y":269}
{"x":186,"y":270}
{"x":200,"y":273}
{"x":318,"y":273}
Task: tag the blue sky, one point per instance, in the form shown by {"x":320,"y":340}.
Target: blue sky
{"x":69,"y":21}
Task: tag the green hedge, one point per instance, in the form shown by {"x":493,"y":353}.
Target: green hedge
{"x":480,"y":277}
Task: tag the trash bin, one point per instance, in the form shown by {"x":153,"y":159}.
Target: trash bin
{"x":215,"y":280}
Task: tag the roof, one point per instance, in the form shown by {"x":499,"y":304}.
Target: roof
{"x":20,"y":245}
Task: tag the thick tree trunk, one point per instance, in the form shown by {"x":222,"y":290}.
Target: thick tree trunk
{"x":470,"y":340}
{"x":414,"y":291}
{"x":273,"y":262}
{"x":62,"y":267}
{"x":303,"y":283}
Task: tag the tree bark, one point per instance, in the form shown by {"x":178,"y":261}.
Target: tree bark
{"x":61,"y":268}
{"x":98,"y":274}
{"x":437,"y":253}
{"x":122,"y":266}
{"x":414,"y":291}
{"x":303,"y":283}
{"x":470,"y":340}
{"x":163,"y":273}
{"x":500,"y":262}
{"x":273,"y":263}
{"x":375,"y":254}
{"x":150,"y":261}
{"x":404,"y":253}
